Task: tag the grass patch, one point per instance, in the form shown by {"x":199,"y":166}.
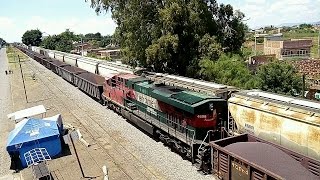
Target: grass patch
{"x":302,"y":35}
{"x":13,"y":53}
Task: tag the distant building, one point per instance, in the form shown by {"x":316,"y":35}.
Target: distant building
{"x":82,"y":48}
{"x":111,"y":54}
{"x":273,"y":37}
{"x":287,"y":48}
{"x":256,"y":61}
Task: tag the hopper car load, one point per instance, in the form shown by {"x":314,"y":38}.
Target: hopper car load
{"x":186,"y":120}
{"x":247,"y":157}
{"x":55,"y":66}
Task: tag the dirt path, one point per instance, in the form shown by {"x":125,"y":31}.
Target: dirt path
{"x":5,"y":108}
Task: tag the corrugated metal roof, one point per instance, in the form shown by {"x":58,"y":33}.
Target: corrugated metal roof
{"x":32,"y":129}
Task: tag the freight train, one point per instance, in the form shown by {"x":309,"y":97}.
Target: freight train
{"x":186,"y":114}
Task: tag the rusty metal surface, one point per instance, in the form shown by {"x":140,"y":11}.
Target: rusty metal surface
{"x":46,"y":62}
{"x":68,"y":72}
{"x":72,"y":69}
{"x":92,"y":78}
{"x":262,"y":156}
{"x":272,"y":159}
{"x":91,"y":84}
{"x":57,"y":63}
{"x":293,"y":127}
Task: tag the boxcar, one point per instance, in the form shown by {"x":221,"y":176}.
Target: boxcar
{"x":90,"y":83}
{"x":246,"y":157}
{"x":46,"y":62}
{"x":55,"y":65}
{"x":68,"y":73}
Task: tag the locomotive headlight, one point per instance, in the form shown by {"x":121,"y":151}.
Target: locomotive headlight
{"x":211,"y":106}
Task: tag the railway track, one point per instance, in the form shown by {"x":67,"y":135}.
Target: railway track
{"x":97,"y":138}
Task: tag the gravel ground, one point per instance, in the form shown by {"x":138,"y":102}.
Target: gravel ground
{"x":5,"y":108}
{"x":151,"y":158}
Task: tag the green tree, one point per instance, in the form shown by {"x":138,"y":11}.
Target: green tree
{"x":230,"y":70}
{"x":305,"y":26}
{"x":32,"y":37}
{"x":279,"y":77}
{"x":92,"y":36}
{"x":165,"y":35}
{"x":65,"y":41}
{"x":209,"y":48}
{"x":62,"y":42}
{"x":94,"y":43}
{"x":106,"y":40}
{"x":50,"y":42}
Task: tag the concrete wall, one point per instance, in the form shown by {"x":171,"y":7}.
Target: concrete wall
{"x":288,"y":48}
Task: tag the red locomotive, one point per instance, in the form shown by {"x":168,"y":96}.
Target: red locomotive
{"x":178,"y":117}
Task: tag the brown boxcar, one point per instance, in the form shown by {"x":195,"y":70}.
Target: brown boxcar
{"x":55,"y":65}
{"x":90,"y":83}
{"x":247,"y":157}
{"x":46,"y":62}
{"x":38,"y":57}
{"x":68,"y":72}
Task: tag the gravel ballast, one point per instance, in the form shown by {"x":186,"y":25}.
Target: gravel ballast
{"x":153,"y":159}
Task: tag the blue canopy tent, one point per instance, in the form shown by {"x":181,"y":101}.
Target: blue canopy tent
{"x":34,"y":133}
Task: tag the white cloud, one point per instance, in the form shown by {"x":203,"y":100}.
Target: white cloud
{"x":6,"y":22}
{"x":267,"y":12}
{"x":12,"y":31}
{"x":259,"y":12}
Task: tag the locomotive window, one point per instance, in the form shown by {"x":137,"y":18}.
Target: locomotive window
{"x":113,"y":82}
{"x":179,"y":124}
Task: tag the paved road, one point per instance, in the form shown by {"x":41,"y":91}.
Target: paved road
{"x":5,"y":108}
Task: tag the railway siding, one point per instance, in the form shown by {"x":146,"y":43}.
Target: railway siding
{"x":128,"y":153}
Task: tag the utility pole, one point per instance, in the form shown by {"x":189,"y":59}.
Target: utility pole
{"x":303,"y":84}
{"x":81,"y":46}
{"x":24,"y":86}
{"x":255,"y":42}
{"x":319,"y":44}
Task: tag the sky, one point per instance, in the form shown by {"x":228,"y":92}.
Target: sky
{"x":55,"y":16}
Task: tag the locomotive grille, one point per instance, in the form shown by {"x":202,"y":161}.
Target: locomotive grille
{"x":223,"y":163}
{"x":256,"y":175}
{"x":314,"y":168}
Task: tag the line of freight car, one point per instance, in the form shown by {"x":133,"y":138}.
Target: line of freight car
{"x":45,"y":61}
{"x":247,"y":157}
{"x":87,"y":82}
{"x":55,"y":66}
{"x":68,"y":73}
{"x":186,"y":142}
{"x":91,"y":84}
